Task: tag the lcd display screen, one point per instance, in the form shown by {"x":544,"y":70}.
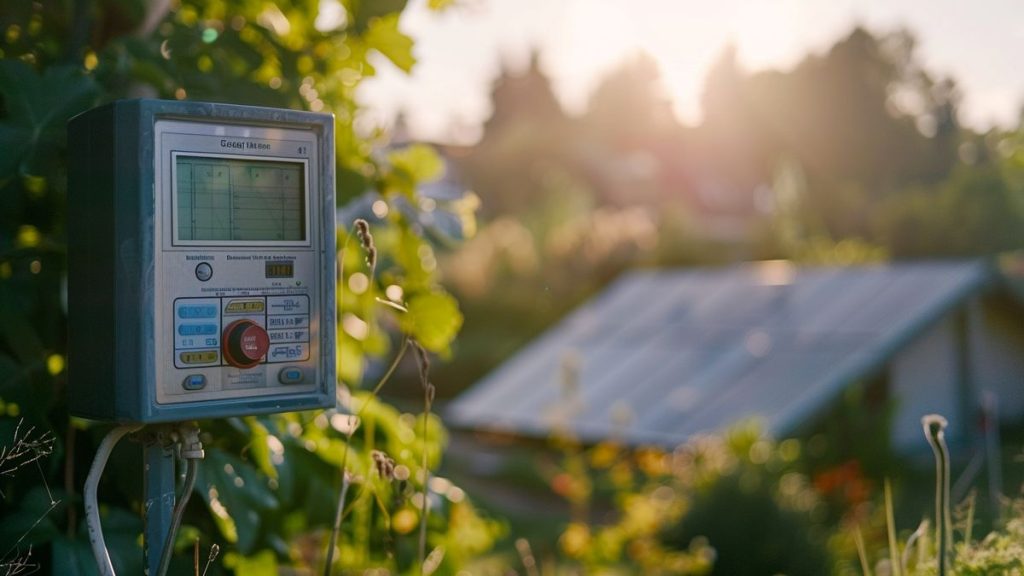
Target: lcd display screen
{"x":280,"y":269}
{"x":233,"y":199}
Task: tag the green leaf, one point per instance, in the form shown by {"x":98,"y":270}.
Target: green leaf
{"x":350,"y":359}
{"x":262,"y":564}
{"x":38,"y":108}
{"x":419,"y":163}
{"x":12,"y":142}
{"x":8,"y":373}
{"x":433,"y":320}
{"x":260,"y":446}
{"x":237,"y":496}
{"x":363,"y":12}
{"x":384,"y":36}
{"x":17,"y":332}
{"x":33,"y":520}
{"x":122,"y":528}
{"x":73,"y":557}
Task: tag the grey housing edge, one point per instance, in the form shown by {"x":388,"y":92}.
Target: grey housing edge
{"x":111,"y":267}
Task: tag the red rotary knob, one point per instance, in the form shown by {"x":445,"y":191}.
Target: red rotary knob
{"x":245,"y":343}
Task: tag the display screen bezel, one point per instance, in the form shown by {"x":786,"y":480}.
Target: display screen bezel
{"x":306,"y":224}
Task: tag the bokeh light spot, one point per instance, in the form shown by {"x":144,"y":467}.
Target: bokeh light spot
{"x":358,"y":283}
{"x":55,"y":364}
{"x":28,"y":237}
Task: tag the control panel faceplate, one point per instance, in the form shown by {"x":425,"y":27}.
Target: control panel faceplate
{"x":240,"y":288}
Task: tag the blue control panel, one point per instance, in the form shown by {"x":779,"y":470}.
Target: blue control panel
{"x":202,"y":261}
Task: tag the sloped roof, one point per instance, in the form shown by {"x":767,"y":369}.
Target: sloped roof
{"x":662,"y":355}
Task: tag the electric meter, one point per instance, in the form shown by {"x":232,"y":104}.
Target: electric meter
{"x":201,"y":253}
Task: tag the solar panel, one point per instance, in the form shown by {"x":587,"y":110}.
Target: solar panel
{"x":683,"y":352}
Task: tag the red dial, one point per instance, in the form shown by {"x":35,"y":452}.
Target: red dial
{"x":245,"y":343}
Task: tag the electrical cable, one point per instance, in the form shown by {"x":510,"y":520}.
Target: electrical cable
{"x":192,"y":450}
{"x":179,"y":512}
{"x":92,"y":510}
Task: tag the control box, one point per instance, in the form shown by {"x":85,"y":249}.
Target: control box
{"x":201,"y":256}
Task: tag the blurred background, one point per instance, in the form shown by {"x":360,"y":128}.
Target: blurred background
{"x":601,"y":136}
{"x":867,"y":154}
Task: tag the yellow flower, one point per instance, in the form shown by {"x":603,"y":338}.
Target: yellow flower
{"x":604,"y":455}
{"x":575,"y":539}
{"x":652,"y":461}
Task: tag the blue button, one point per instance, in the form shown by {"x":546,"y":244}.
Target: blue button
{"x":197,"y":329}
{"x":201,"y":311}
{"x":291,"y":375}
{"x":194,"y":382}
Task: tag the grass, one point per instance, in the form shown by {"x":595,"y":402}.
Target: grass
{"x":954,"y":550}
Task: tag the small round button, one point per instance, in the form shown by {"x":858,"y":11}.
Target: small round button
{"x":194,"y":382}
{"x":204,"y":271}
{"x":245,"y":343}
{"x":291,"y":375}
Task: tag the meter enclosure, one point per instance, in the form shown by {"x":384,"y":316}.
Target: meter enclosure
{"x":201,"y":251}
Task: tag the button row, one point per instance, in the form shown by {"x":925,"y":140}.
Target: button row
{"x":198,"y":343}
{"x":287,"y":375}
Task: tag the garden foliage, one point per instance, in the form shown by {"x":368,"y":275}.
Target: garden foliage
{"x":269,"y":484}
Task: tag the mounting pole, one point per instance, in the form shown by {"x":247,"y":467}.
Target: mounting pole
{"x":158,"y":484}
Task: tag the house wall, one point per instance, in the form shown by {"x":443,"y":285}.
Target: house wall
{"x":923,"y":379}
{"x":997,"y":355}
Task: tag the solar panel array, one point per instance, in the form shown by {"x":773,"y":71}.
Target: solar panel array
{"x":660,"y":356}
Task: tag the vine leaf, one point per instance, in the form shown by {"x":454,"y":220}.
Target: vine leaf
{"x":433,"y":320}
{"x":37,"y":110}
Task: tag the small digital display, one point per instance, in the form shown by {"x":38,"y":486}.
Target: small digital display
{"x":280,"y":269}
{"x":240,"y":199}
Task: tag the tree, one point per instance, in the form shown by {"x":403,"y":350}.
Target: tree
{"x":863,"y":121}
{"x":526,"y":143}
{"x":630,"y":108}
{"x":974,"y":213}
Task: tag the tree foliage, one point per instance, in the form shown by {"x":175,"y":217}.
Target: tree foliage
{"x":269,"y":483}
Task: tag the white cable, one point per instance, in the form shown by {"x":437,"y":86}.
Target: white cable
{"x":92,"y":509}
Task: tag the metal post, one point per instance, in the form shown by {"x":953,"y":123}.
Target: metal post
{"x":158,"y":482}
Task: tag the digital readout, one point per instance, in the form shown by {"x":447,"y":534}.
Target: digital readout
{"x":280,"y":269}
{"x":230,"y":199}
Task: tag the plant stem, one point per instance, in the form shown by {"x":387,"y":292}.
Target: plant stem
{"x":861,"y":552}
{"x":426,"y":484}
{"x":890,"y":525}
{"x":69,"y":477}
{"x":969,"y":529}
{"x":338,"y":512}
{"x":934,"y":429}
{"x":337,"y":522}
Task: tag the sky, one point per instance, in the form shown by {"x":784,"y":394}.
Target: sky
{"x":462,"y":50}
